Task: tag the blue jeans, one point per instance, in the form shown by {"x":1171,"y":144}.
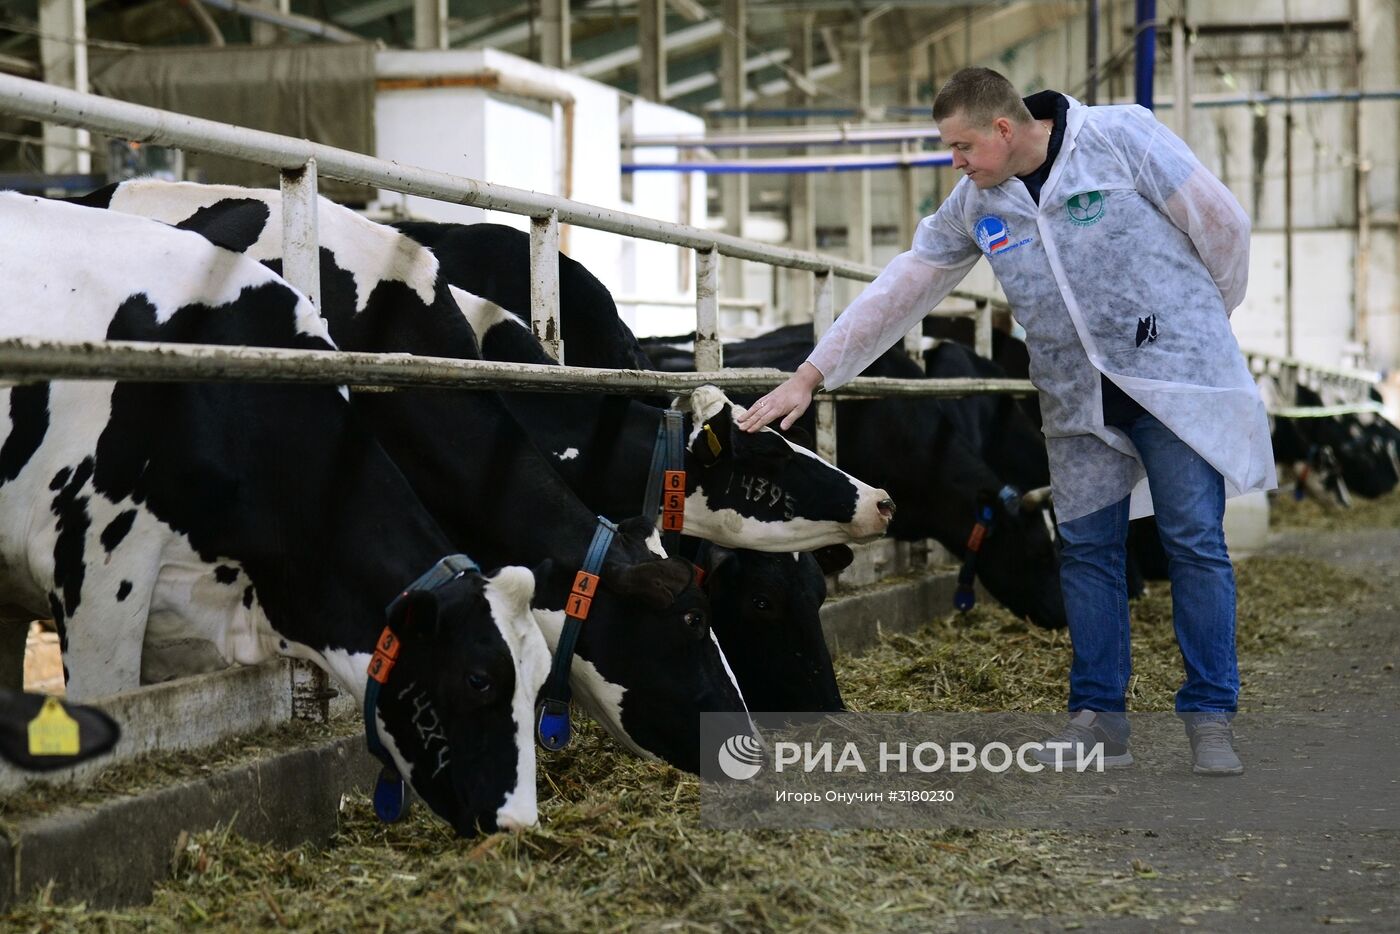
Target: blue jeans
{"x":1188,"y":496}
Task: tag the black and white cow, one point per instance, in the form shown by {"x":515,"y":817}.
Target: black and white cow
{"x":493,"y":261}
{"x":263,"y":519}
{"x":647,"y":663}
{"x":914,"y":448}
{"x":756,"y":491}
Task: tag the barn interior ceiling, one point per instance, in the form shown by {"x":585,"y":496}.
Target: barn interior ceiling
{"x":604,"y":36}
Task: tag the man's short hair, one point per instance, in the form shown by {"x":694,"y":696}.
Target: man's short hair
{"x":981,"y":95}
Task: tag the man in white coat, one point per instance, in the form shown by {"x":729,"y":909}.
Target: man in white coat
{"x":1122,"y":257}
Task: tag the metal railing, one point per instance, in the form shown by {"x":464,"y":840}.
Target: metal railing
{"x":301,"y":162}
{"x":1350,"y":389}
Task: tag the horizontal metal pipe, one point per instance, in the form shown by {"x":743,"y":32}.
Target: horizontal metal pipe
{"x":293,"y":21}
{"x":51,"y":104}
{"x":37,"y":361}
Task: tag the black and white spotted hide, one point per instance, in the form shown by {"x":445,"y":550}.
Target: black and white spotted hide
{"x":259,"y":519}
{"x":647,"y":664}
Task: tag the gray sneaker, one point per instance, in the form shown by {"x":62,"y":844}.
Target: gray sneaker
{"x":1213,"y":748}
{"x":1069,"y":749}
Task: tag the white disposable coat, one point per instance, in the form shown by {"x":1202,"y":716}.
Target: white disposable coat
{"x":1129,"y":267}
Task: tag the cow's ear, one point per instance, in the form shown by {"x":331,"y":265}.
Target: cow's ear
{"x":834,"y":558}
{"x":799,"y":436}
{"x":715,"y":439}
{"x":415,"y":611}
{"x":96,"y":732}
{"x":101,"y":198}
{"x":715,"y":557}
{"x":233,"y":223}
{"x":656,"y":584}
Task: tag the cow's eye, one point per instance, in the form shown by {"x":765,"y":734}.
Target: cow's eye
{"x":761,"y":604}
{"x":695,"y":619}
{"x":479,"y":682}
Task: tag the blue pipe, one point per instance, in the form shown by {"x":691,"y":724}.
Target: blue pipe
{"x":739,"y":168}
{"x":1145,"y":51}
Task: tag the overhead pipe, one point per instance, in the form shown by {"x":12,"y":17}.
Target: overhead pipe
{"x":1145,"y":51}
{"x":292,"y":21}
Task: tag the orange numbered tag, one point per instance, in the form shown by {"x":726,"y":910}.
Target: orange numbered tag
{"x":974,"y":541}
{"x":585,"y":584}
{"x":672,"y":521}
{"x":673,"y":481}
{"x":578,"y":605}
{"x":386,"y":651}
{"x":673,"y":502}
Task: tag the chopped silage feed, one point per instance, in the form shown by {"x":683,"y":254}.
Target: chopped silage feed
{"x":620,"y":845}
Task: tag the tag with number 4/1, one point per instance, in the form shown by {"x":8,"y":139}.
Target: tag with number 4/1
{"x":53,"y":732}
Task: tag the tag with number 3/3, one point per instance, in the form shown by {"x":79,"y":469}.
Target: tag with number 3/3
{"x":53,"y":732}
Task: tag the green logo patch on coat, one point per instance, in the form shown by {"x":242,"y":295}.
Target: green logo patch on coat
{"x":1085,"y":208}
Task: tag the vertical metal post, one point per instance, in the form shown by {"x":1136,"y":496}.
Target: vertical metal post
{"x":266,"y":33}
{"x":544,"y":284}
{"x":914,"y":343}
{"x":709,"y":352}
{"x":64,"y":60}
{"x":1091,"y":64}
{"x":822,"y":317}
{"x":983,"y":325}
{"x":859,"y":246}
{"x":1145,"y":51}
{"x":651,"y":41}
{"x":1360,"y":32}
{"x":1287,"y":184}
{"x":1181,"y":75}
{"x":802,"y":201}
{"x":555,"y":31}
{"x":301,"y":247}
{"x":430,"y":24}
{"x":301,"y":267}
{"x":734,"y":189}
{"x":1288,"y":383}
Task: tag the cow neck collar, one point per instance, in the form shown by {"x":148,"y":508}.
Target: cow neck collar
{"x":664,"y":500}
{"x":552,"y":727}
{"x":965,"y":597}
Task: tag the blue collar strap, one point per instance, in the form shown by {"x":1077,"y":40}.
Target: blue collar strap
{"x":965,"y":596}
{"x":390,"y":790}
{"x":552,"y":728}
{"x":664,"y":501}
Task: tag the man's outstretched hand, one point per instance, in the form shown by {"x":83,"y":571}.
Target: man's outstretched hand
{"x":787,"y":402}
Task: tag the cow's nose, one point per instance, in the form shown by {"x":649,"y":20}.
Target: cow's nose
{"x":886,"y":508}
{"x":509,"y":824}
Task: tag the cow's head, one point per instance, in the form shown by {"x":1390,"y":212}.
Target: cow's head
{"x":1019,"y":563}
{"x":766,"y":616}
{"x":647,"y":663}
{"x":456,"y":711}
{"x":761,"y":491}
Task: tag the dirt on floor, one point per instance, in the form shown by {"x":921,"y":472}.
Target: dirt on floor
{"x":621,"y":846}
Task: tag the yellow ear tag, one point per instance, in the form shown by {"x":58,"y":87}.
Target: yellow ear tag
{"x":53,"y":732}
{"x":712,"y":440}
